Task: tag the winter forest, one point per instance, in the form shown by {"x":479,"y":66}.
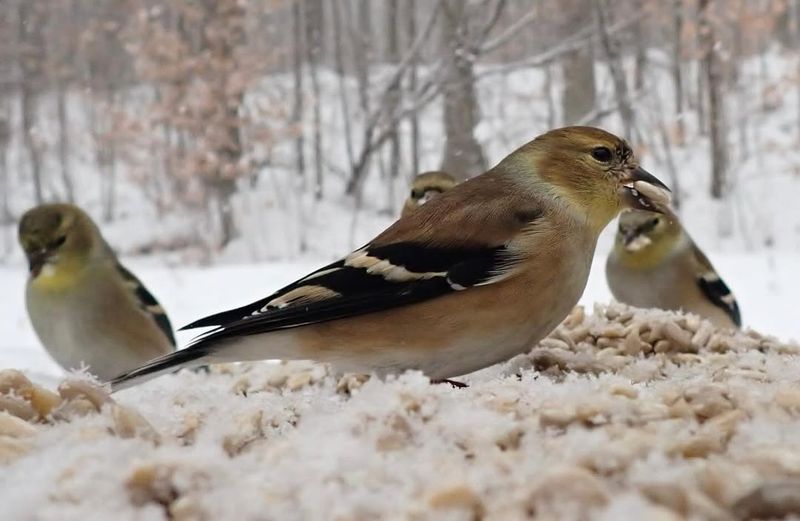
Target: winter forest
{"x":253,"y":130}
{"x":227,"y":149}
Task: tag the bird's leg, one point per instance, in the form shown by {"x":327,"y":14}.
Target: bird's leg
{"x":457,"y":385}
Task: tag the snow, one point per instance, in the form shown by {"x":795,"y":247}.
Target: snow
{"x":559,"y":434}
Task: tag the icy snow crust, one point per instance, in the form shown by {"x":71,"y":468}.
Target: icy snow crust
{"x":617,"y":415}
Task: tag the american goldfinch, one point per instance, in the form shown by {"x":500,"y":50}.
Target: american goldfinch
{"x":85,"y":307}
{"x":476,"y":275}
{"x":425,"y":186}
{"x":655,"y":264}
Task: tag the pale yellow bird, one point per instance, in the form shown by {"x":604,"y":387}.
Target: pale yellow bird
{"x":425,"y":186}
{"x":475,"y":276}
{"x":85,"y":307}
{"x":655,"y":264}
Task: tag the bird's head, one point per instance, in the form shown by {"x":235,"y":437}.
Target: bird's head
{"x":56,"y":237}
{"x":645,"y":237}
{"x":428,"y":185}
{"x":594,"y":172}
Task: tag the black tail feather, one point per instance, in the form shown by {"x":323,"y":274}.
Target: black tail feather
{"x":224,"y":317}
{"x":164,"y":364}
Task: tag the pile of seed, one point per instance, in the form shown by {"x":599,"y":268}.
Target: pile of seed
{"x":619,"y":414}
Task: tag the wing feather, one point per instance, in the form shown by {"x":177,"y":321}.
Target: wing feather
{"x":714,"y":288}
{"x":352,"y":290}
{"x":147,"y":302}
{"x":418,"y":258}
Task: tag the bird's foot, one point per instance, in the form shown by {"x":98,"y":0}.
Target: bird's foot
{"x":457,"y":385}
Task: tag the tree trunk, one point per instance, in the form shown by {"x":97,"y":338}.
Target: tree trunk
{"x":224,"y":190}
{"x":463,"y":155}
{"x":393,"y":101}
{"x":677,"y":66}
{"x":314,"y":20}
{"x":338,"y":55}
{"x":105,"y":152}
{"x":362,"y":45}
{"x":411,"y":28}
{"x":31,"y":66}
{"x":297,"y":107}
{"x":701,"y":77}
{"x":110,"y":187}
{"x":63,"y":141}
{"x":795,"y":7}
{"x":640,"y":63}
{"x":611,"y":49}
{"x":5,"y":184}
{"x":578,"y":97}
{"x":716,"y":103}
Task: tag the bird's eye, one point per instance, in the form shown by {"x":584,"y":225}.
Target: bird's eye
{"x":58,"y":242}
{"x":415,"y":194}
{"x":654,"y":221}
{"x":602,"y":154}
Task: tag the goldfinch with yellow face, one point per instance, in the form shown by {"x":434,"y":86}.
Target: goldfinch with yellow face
{"x":655,"y":264}
{"x":85,"y":307}
{"x":475,"y":276}
{"x":426,"y":186}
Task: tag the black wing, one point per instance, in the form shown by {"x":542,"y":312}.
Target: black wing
{"x":368,"y":280}
{"x":147,"y":302}
{"x":715,"y":289}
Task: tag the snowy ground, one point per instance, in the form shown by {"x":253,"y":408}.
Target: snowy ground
{"x":666,"y":422}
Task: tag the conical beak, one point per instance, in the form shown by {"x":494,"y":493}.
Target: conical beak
{"x":643,"y":191}
{"x":628,"y":236}
{"x":36,"y":261}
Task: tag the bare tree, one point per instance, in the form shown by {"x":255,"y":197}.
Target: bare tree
{"x":210,"y":47}
{"x":411,"y":29}
{"x":640,"y":48}
{"x":463,"y":155}
{"x":393,"y":100}
{"x":578,"y":97}
{"x":611,"y":49}
{"x":7,"y":61}
{"x":700,"y":89}
{"x":105,"y":66}
{"x":716,"y":104}
{"x":5,"y":184}
{"x":61,"y":69}
{"x":314,"y":20}
{"x":298,"y":46}
{"x":373,"y":139}
{"x":31,"y":17}
{"x":344,"y":99}
{"x":677,"y":64}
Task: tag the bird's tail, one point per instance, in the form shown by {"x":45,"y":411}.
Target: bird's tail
{"x":194,"y":356}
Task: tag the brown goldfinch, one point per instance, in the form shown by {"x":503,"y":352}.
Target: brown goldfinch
{"x":473,"y":277}
{"x":655,"y":264}
{"x":425,"y":186}
{"x":85,"y":307}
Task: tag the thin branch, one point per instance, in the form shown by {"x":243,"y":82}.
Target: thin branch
{"x":484,"y":31}
{"x":570,"y":44}
{"x":510,"y":32}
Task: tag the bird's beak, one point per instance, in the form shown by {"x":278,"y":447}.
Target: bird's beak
{"x":634,"y":241}
{"x":643,"y":191}
{"x":628,"y":236}
{"x":36,"y":261}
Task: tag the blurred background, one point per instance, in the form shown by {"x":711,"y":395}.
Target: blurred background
{"x":259,"y":138}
